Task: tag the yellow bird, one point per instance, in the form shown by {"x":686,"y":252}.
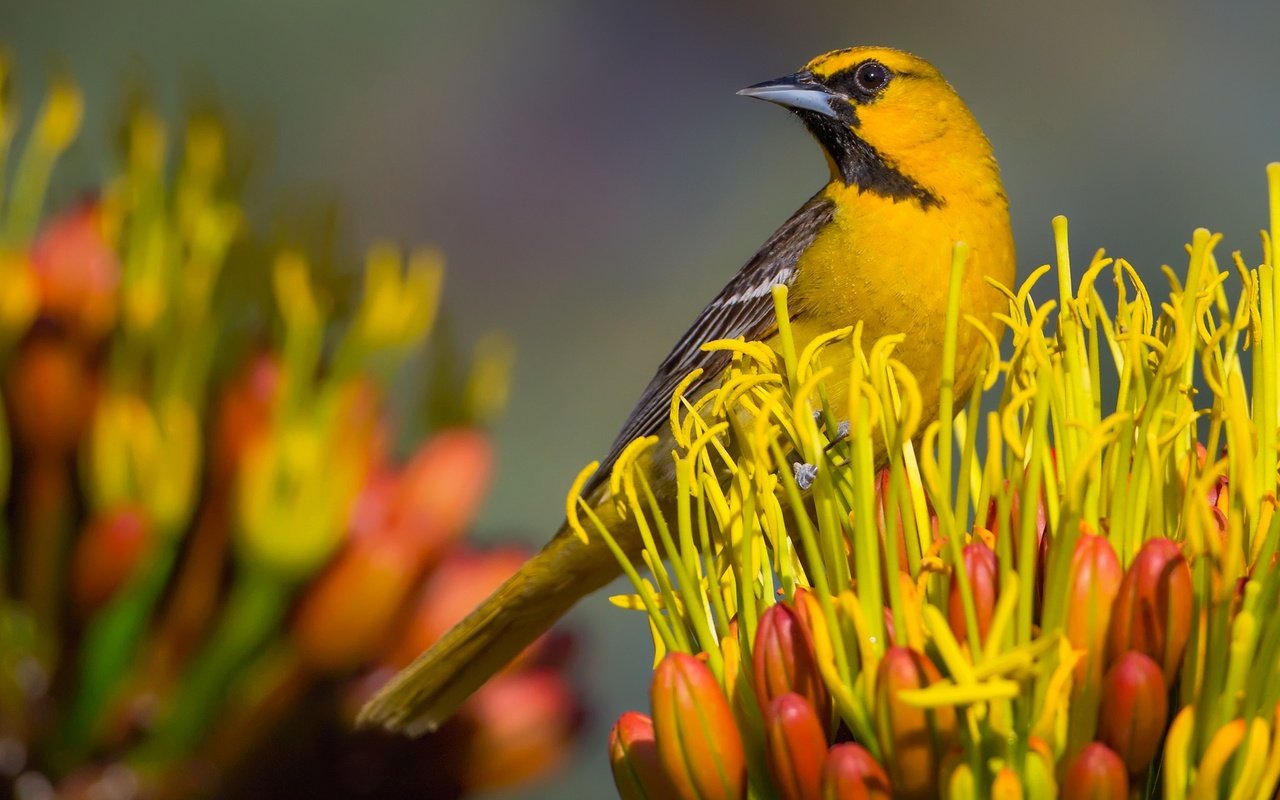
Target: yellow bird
{"x":911,"y":174}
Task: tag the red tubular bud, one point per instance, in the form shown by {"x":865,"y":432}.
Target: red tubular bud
{"x":77,"y":273}
{"x":346,"y":616}
{"x":106,"y":555}
{"x":897,"y":537}
{"x":1006,"y":786}
{"x":916,"y":737}
{"x":441,"y":489}
{"x":244,"y":415}
{"x":784,"y":660}
{"x":852,"y":774}
{"x":1015,"y":514}
{"x":1092,"y":585}
{"x":984,"y":580}
{"x":1152,"y":612}
{"x":1134,"y":710}
{"x":698,"y":739}
{"x":51,"y":397}
{"x":522,"y":726}
{"x":1098,"y":773}
{"x":633,"y":755}
{"x":796,"y":747}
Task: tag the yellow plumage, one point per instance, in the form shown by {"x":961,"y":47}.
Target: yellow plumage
{"x":911,"y":175}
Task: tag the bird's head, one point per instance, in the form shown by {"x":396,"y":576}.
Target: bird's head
{"x":889,"y":123}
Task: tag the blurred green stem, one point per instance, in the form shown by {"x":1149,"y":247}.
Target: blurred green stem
{"x":26,"y":198}
{"x":253,"y":613}
{"x":110,"y":646}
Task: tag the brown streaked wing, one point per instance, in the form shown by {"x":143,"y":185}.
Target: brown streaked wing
{"x":743,"y":308}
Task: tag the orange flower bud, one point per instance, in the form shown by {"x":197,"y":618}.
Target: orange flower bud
{"x":1042,"y":534}
{"x":522,"y":726}
{"x":51,"y":396}
{"x":1006,"y":786}
{"x":1097,"y":772}
{"x":796,"y":747}
{"x":77,"y":273}
{"x":784,"y":660}
{"x":916,"y":737}
{"x":698,"y":738}
{"x":244,"y":412}
{"x":898,"y":535}
{"x":1092,"y":585}
{"x":984,"y":580}
{"x":633,"y":755}
{"x":106,"y":555}
{"x":1134,"y":710}
{"x":346,"y":616}
{"x":1152,"y":612}
{"x":1015,"y":514}
{"x":442,"y":487}
{"x":459,"y":584}
{"x":852,"y":774}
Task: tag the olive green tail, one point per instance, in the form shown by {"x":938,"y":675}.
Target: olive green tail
{"x":423,"y":695}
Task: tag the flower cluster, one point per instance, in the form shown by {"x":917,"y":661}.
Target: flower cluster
{"x":1065,"y":583}
{"x":210,"y":553}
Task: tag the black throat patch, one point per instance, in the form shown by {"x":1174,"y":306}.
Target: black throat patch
{"x":861,"y":164}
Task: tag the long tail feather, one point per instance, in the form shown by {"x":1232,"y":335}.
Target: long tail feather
{"x":425,"y":694}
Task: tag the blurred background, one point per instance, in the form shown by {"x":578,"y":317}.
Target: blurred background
{"x":593,"y":181}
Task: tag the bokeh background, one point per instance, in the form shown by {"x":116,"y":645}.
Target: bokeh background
{"x":593,"y":180}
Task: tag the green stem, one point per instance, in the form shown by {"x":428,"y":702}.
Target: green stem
{"x":257,"y":604}
{"x":110,"y":647}
{"x":946,"y":446}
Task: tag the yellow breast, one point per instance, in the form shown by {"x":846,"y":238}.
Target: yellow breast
{"x":887,"y":264}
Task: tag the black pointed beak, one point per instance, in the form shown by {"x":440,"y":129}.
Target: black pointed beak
{"x":800,"y":92}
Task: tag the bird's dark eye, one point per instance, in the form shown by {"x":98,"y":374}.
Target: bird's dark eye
{"x":871,"y":77}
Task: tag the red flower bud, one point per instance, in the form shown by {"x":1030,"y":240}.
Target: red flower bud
{"x":346,"y":616}
{"x":51,"y":397}
{"x":984,"y":580}
{"x":852,"y":774}
{"x":916,"y":737}
{"x":633,"y":755}
{"x":1152,"y":612}
{"x":77,"y":272}
{"x":106,"y":555}
{"x":1015,"y":514}
{"x":1092,"y":585}
{"x":995,"y":524}
{"x":898,"y":536}
{"x":1134,"y":710}
{"x":698,"y":738}
{"x":796,"y":747}
{"x":1097,"y":772}
{"x":442,"y":487}
{"x":784,"y":660}
{"x":522,"y":726}
{"x":244,"y":413}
